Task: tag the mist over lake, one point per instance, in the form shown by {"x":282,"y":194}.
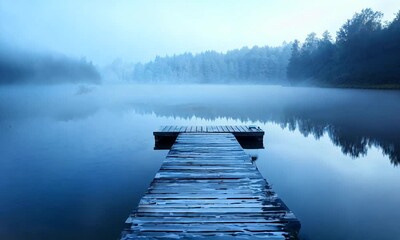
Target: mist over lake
{"x":76,"y":159}
{"x":206,"y":119}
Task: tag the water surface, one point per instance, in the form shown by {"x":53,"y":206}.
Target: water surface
{"x":75,"y":160}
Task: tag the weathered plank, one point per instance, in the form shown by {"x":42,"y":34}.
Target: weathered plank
{"x":216,"y":129}
{"x":248,"y":136}
{"x":208,"y":188}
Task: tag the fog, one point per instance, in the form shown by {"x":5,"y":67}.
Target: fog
{"x":75,"y":150}
{"x":245,"y":41}
{"x":83,"y":84}
{"x":30,"y":67}
{"x":138,"y":31}
{"x":354,"y":120}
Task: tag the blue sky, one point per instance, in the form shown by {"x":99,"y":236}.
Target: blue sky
{"x":139,"y":30}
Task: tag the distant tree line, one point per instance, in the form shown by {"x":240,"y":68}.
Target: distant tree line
{"x":366,"y":53}
{"x":20,"y":67}
{"x":246,"y":65}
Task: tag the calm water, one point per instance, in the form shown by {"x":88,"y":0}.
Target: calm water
{"x":75,"y":160}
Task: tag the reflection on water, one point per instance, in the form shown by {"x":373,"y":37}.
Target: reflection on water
{"x":75,"y":160}
{"x":354,"y":120}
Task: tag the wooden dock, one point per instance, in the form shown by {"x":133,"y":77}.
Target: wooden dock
{"x":208,"y":188}
{"x":249,"y":137}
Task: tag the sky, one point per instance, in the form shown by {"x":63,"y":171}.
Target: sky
{"x":133,"y":31}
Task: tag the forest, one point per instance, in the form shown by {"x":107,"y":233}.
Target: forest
{"x":257,"y":64}
{"x":364,"y":53}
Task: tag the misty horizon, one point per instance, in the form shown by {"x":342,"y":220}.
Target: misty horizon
{"x":139,"y":31}
{"x":265,"y":64}
{"x":86,"y":85}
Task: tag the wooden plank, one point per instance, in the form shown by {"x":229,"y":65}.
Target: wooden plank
{"x":236,"y":129}
{"x":207,"y":235}
{"x":208,"y":188}
{"x":213,"y":219}
{"x":243,"y":128}
{"x":202,"y":129}
{"x":207,"y":227}
{"x":210,"y":129}
{"x":264,"y":214}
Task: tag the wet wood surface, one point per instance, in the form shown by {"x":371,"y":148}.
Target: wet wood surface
{"x":241,"y":130}
{"x":249,"y":136}
{"x":208,"y":188}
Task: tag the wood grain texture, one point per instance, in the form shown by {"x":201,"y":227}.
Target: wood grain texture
{"x":250,"y":137}
{"x":208,"y":188}
{"x":241,"y":130}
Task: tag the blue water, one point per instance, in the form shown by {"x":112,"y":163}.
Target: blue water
{"x":75,"y":160}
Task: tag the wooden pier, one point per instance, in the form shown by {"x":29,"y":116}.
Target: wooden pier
{"x":208,"y":188}
{"x":249,"y":137}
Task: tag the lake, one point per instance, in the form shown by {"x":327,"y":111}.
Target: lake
{"x":75,"y":160}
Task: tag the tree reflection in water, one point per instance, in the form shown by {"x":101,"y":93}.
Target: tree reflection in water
{"x":354,"y":120}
